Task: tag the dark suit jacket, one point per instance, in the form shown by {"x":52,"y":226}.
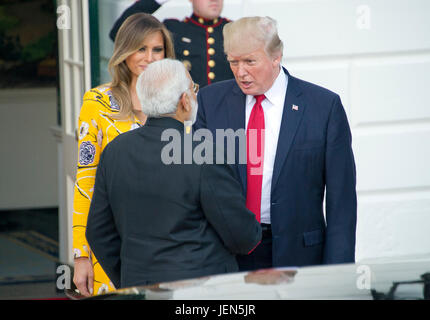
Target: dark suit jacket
{"x":150,"y":222}
{"x":313,"y":156}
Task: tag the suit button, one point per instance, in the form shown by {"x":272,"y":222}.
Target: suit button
{"x":211,"y":40}
{"x":201,"y":20}
{"x":210,"y":29}
{"x":211,"y":51}
{"x":211,"y":63}
{"x":274,"y":203}
{"x":186,"y":53}
{"x":211,"y":75}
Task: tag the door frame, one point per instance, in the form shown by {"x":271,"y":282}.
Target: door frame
{"x":74,"y":59}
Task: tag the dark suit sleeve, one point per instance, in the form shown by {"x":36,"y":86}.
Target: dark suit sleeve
{"x":201,"y":118}
{"x":341,"y":199}
{"x":101,"y":233}
{"x":224,"y":206}
{"x":147,"y":6}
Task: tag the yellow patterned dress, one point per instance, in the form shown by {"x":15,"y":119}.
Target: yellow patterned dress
{"x":96,"y":129}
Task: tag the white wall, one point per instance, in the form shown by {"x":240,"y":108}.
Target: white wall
{"x":376,"y":55}
{"x":28,"y":162}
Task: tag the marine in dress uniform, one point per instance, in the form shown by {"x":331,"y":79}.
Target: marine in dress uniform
{"x":198,"y":42}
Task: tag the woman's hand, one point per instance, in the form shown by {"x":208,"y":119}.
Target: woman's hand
{"x":83,"y":276}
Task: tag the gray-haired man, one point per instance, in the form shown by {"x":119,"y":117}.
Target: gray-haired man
{"x":151,"y":222}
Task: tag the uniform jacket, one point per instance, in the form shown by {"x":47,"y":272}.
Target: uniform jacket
{"x":313,"y":158}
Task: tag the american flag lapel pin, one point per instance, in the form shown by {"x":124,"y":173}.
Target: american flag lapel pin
{"x":295,"y":108}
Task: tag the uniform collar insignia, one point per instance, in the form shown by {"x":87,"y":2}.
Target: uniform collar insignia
{"x":205,"y":22}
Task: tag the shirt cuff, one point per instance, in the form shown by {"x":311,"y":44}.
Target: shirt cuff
{"x":81,"y":252}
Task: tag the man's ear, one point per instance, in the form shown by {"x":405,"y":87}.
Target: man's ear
{"x":185,"y":102}
{"x":277,"y":59}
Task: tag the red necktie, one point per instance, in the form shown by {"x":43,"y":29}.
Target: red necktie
{"x":255,"y":157}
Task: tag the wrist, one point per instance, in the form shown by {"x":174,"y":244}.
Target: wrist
{"x":81,"y":258}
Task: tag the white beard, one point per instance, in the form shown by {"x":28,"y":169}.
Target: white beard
{"x":194,"y":108}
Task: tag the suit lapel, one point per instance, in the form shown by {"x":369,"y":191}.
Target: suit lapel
{"x":291,"y":117}
{"x":236,"y":120}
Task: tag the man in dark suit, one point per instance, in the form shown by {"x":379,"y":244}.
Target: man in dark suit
{"x":150,"y":221}
{"x":198,"y":38}
{"x":298,"y":150}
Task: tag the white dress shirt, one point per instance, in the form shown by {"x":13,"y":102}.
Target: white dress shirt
{"x":273,"y":107}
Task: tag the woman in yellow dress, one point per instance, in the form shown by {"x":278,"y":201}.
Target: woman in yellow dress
{"x":106,"y":112}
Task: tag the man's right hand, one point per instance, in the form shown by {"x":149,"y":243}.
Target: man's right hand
{"x":83,"y":276}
